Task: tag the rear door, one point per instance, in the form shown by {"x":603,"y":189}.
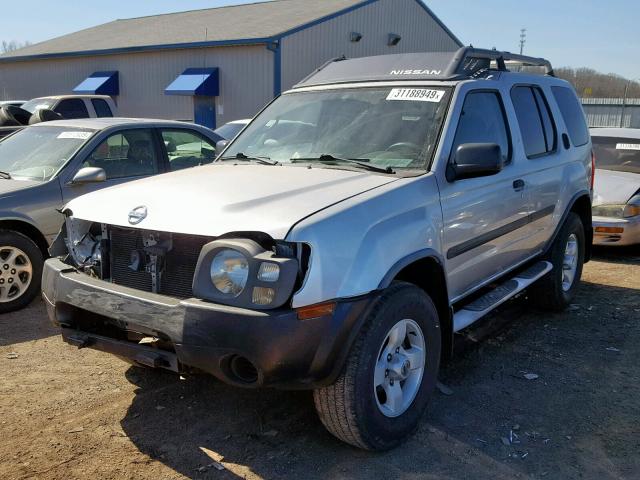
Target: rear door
{"x":485,"y":219}
{"x":125,"y":155}
{"x":537,"y":142}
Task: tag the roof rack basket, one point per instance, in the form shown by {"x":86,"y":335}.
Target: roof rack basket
{"x":469,"y":61}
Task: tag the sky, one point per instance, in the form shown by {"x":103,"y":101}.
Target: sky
{"x":603,"y":35}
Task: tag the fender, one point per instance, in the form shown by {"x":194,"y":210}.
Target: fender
{"x":408,"y":260}
{"x":588,"y":228}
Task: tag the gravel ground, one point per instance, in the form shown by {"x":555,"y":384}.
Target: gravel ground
{"x":67,"y":413}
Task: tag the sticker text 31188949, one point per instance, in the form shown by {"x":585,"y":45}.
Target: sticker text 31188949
{"x":416,"y":95}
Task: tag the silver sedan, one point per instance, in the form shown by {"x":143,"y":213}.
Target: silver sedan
{"x":616,"y":201}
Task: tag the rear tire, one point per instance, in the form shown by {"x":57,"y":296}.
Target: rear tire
{"x":21,"y":263}
{"x":557,"y":289}
{"x":357,"y":408}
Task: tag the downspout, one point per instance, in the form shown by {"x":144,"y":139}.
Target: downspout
{"x":275,"y":46}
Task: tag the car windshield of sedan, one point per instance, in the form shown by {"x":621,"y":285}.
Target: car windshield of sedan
{"x":618,"y":154}
{"x":390,"y":128}
{"x":38,"y":104}
{"x":38,"y":153}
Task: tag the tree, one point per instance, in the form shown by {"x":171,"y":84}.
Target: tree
{"x":12,"y":45}
{"x":591,"y":83}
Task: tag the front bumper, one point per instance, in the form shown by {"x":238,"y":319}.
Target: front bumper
{"x":192,"y":334}
{"x":616,"y":231}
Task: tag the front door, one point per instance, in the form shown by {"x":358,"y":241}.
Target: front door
{"x":485,"y":219}
{"x":125,"y":156}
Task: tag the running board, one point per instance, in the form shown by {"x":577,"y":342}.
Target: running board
{"x":477,"y":309}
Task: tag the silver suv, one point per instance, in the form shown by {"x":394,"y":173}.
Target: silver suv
{"x":339,"y":242}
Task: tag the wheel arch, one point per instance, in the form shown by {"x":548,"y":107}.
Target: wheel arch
{"x":28,"y":230}
{"x":580,"y":204}
{"x":425,"y":269}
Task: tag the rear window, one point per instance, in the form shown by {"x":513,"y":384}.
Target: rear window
{"x":101,"y":107}
{"x":573,"y":115}
{"x":535,"y":121}
{"x":618,"y":154}
{"x":72,"y":108}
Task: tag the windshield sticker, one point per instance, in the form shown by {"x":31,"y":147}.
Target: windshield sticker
{"x":416,"y":95}
{"x":628,"y":146}
{"x":75,"y":135}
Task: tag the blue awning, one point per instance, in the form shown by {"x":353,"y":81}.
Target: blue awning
{"x":100,"y":83}
{"x":196,"y":81}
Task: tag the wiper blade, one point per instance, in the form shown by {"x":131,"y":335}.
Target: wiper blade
{"x":5,"y":175}
{"x":247,"y":158}
{"x":356,"y":161}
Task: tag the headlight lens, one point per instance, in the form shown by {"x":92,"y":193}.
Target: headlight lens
{"x":269,"y":272}
{"x":611,"y":211}
{"x":230,"y":272}
{"x":632,"y":208}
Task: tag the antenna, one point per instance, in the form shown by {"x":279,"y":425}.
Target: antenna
{"x":523,"y":39}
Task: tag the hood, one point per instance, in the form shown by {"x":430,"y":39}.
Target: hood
{"x":8,"y":187}
{"x":218,"y":199}
{"x":614,"y":188}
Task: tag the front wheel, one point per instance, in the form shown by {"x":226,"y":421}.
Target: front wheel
{"x":556,"y":290}
{"x":21,"y":264}
{"x":389,"y":375}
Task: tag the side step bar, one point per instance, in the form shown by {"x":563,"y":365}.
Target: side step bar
{"x":477,"y":309}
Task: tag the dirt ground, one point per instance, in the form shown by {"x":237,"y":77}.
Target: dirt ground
{"x":68,"y":413}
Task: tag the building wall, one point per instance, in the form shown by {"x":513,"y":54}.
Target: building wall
{"x":246,"y":80}
{"x":610,"y":112}
{"x":306,"y":50}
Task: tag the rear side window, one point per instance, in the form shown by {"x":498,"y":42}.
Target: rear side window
{"x":72,"y":108}
{"x":573,"y":115}
{"x":101,"y":107}
{"x":535,"y":121}
{"x":483,"y":121}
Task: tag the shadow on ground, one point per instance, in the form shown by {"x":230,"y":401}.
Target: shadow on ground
{"x":26,"y":325}
{"x":578,"y":419}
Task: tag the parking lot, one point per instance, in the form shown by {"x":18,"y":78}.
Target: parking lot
{"x":68,"y":413}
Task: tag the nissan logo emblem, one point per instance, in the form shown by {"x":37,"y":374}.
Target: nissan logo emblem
{"x":137,"y":215}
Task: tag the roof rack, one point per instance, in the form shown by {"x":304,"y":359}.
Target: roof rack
{"x":465,"y":63}
{"x":468,"y":61}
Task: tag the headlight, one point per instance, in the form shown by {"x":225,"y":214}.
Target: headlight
{"x":610,"y":211}
{"x":229,"y":272}
{"x":632,"y":208}
{"x":241,"y":273}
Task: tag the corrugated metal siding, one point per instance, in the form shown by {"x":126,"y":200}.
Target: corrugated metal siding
{"x":304,"y":51}
{"x":246,"y":80}
{"x":610,"y":112}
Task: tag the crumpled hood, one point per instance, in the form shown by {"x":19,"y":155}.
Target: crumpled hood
{"x":614,"y":188}
{"x":218,"y":199}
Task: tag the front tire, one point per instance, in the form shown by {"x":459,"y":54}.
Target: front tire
{"x":389,"y":375}
{"x":21,"y":263}
{"x":556,"y":290}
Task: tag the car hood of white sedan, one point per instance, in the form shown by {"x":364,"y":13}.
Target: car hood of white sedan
{"x":218,"y":199}
{"x":614,"y":188}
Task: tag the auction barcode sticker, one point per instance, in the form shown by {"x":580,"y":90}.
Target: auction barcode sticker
{"x":416,"y":95}
{"x":628,"y":146}
{"x":76,"y":135}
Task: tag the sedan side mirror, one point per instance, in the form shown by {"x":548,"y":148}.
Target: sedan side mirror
{"x":475,"y":160}
{"x":89,"y":175}
{"x":220,"y":145}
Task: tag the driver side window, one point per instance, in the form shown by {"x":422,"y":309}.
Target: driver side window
{"x":126,"y":154}
{"x":483,"y":120}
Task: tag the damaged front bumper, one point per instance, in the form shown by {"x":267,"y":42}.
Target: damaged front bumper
{"x":239,"y":346}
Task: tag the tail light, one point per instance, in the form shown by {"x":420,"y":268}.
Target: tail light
{"x":593,"y":168}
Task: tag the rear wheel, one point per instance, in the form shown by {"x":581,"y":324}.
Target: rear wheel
{"x":557,"y":289}
{"x":21,"y":264}
{"x":390,"y":373}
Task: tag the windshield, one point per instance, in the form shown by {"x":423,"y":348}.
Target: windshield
{"x":618,"y":154}
{"x":394,"y":128}
{"x":37,"y":153}
{"x":38,"y":104}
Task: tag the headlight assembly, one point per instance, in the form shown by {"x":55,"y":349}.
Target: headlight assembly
{"x":241,"y":273}
{"x":632,"y":208}
{"x":610,"y":211}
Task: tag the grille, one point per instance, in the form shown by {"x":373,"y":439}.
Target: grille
{"x":178,"y":267}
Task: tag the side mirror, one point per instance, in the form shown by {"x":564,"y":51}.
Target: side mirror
{"x":89,"y":175}
{"x":475,"y":160}
{"x":220,"y":145}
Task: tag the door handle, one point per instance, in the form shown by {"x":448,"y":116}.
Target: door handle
{"x":518,"y":185}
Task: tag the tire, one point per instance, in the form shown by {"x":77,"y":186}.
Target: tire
{"x":554,"y":291}
{"x":21,"y":264}
{"x":353,"y":409}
